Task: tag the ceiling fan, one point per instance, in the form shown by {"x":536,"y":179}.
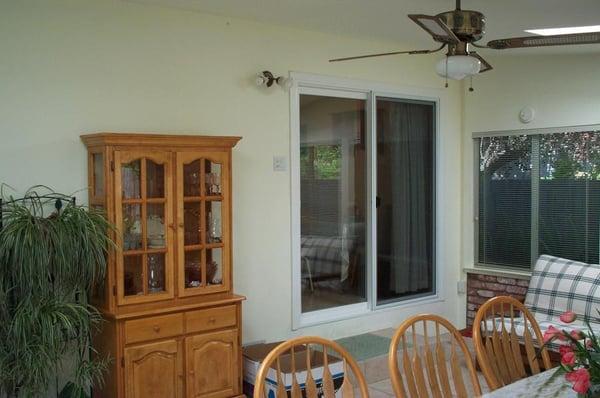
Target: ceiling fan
{"x":459,"y":30}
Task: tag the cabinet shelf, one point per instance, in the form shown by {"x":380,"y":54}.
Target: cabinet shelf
{"x":208,"y":198}
{"x":139,"y":252}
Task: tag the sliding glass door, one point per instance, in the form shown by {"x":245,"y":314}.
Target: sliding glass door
{"x":333,"y":201}
{"x":365,"y":195}
{"x":405,"y":199}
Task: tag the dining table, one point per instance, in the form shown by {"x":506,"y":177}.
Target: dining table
{"x":541,"y":385}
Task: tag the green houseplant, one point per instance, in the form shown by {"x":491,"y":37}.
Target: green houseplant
{"x":52,"y":254}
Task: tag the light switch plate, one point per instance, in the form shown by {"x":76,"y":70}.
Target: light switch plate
{"x":461,"y":287}
{"x":279,"y":163}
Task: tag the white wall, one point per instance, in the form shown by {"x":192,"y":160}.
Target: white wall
{"x":563,"y":90}
{"x":74,"y":66}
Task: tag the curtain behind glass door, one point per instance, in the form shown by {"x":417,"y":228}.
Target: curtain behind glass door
{"x":405,"y":199}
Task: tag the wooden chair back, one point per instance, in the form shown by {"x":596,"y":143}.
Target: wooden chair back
{"x":498,"y":345}
{"x":352,"y":373}
{"x":425,"y":370}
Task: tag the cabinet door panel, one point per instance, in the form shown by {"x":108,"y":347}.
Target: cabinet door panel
{"x":154,"y":370}
{"x":212,"y":365}
{"x":203,"y":219}
{"x":144,"y":220}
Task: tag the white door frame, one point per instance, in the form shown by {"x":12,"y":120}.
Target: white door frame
{"x":304,"y":83}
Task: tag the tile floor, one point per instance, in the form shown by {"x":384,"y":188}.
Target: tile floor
{"x":376,"y":370}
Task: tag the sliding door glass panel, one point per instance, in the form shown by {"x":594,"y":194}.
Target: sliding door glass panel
{"x":569,"y":195}
{"x":405,"y":199}
{"x":333,"y":201}
{"x":505,"y":198}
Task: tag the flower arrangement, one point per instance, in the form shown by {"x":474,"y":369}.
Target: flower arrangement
{"x":580,"y":356}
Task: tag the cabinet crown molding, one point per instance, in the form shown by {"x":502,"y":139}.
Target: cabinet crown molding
{"x":152,"y":139}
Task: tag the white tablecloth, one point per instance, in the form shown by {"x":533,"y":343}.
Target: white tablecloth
{"x":538,"y":386}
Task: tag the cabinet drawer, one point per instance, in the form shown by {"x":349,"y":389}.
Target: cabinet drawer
{"x":155,"y":327}
{"x":212,"y":318}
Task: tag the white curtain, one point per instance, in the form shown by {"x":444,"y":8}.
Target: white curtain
{"x":408,"y":145}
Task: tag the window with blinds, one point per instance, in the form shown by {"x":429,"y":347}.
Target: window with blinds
{"x":538,"y":193}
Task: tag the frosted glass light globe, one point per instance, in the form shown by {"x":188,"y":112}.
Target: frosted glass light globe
{"x":459,"y":67}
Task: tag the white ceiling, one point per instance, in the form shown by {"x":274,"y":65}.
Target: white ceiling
{"x":386,"y":19}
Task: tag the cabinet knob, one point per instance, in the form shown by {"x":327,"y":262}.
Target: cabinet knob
{"x":191,"y":372}
{"x":212,"y":319}
{"x":172,"y":226}
{"x":156,"y":328}
{"x":180,"y":225}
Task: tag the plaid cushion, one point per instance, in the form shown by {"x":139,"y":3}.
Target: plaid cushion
{"x":558,"y":285}
{"x":519,"y":323}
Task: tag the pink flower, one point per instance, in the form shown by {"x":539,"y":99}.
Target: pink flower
{"x":552,"y":333}
{"x":564,"y":349}
{"x":577,"y":334}
{"x":568,"y":358}
{"x":580,"y":379}
{"x":568,"y":317}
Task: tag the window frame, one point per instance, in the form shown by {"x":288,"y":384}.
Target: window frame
{"x":305,"y":83}
{"x":535,"y":157}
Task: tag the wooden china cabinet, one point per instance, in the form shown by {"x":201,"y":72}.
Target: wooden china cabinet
{"x":173,"y":324}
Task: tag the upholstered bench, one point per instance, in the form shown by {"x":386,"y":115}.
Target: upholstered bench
{"x":558,"y":285}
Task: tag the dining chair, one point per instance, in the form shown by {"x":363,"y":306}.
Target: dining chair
{"x":425,"y":370}
{"x":352,"y":373}
{"x":502,"y":337}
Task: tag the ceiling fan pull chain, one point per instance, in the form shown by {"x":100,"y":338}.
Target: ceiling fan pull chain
{"x":471,"y":85}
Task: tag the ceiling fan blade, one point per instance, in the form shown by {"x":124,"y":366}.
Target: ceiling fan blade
{"x":485,"y":65}
{"x":412,"y":52}
{"x":435,"y":27}
{"x":543,"y":41}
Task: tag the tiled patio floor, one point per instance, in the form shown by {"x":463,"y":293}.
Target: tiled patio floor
{"x":376,"y":370}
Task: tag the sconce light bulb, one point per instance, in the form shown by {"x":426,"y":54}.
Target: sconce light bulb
{"x":285,"y":82}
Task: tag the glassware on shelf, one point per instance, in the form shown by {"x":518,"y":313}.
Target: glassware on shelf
{"x":132,"y":227}
{"x":211,"y":271}
{"x":155,"y":226}
{"x":130,"y":180}
{"x":192,"y":269}
{"x":191,"y":179}
{"x":156,"y":273}
{"x":214,"y":266}
{"x":214,"y":228}
{"x":191,"y":223}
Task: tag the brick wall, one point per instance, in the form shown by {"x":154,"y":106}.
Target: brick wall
{"x":481,"y":288}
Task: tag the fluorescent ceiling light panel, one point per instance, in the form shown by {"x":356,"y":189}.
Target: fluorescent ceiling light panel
{"x":564,"y":31}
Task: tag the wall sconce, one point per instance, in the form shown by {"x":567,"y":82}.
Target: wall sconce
{"x":266,"y":78}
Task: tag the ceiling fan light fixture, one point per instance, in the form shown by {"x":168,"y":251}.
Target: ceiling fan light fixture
{"x":458,"y":67}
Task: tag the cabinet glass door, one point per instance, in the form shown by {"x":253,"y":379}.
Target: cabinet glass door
{"x":143,"y":202}
{"x":203,"y":203}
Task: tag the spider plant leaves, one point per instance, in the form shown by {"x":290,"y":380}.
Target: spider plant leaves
{"x":50,"y":260}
